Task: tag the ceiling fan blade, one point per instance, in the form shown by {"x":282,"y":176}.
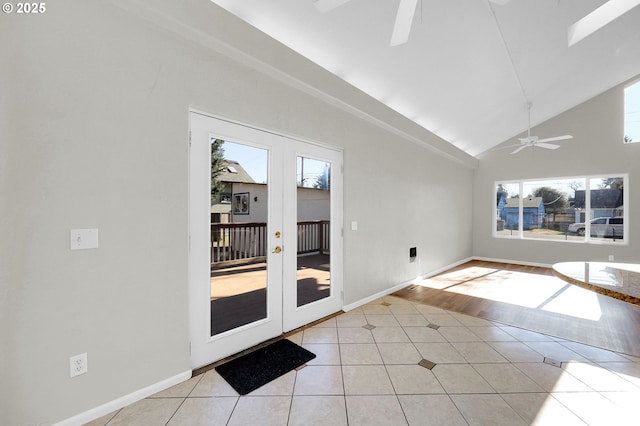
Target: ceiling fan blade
{"x":520,"y":149}
{"x":327,"y":5}
{"x":547,"y":145}
{"x":505,"y":147}
{"x":404,"y":19}
{"x":557,"y":138}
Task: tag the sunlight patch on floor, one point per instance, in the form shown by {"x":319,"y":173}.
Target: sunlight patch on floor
{"x":534,"y":291}
{"x":452,"y":278}
{"x":515,"y":288}
{"x":576,"y":302}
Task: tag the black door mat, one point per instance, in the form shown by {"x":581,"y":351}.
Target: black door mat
{"x":257,"y":368}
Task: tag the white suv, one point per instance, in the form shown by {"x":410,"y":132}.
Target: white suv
{"x":604,"y":227}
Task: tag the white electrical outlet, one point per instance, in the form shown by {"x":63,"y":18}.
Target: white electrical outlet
{"x":78,"y":365}
{"x":82,"y":239}
{"x":611,"y":258}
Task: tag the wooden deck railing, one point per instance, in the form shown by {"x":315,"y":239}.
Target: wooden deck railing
{"x":240,"y":243}
{"x":313,"y":236}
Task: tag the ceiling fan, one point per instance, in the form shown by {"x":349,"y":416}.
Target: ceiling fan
{"x":404,"y":16}
{"x":535,"y":140}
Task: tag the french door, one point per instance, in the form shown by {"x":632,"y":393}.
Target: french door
{"x":265,"y":236}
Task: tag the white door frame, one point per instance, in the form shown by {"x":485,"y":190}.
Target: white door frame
{"x":205,"y":348}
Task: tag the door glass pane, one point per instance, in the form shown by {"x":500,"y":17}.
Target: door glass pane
{"x":313,"y":217}
{"x":238,"y":235}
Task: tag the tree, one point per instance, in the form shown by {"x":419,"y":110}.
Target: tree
{"x":323,"y":181}
{"x":575,"y":185}
{"x":554,"y":200}
{"x":501,"y":192}
{"x":615,"y":183}
{"x":218,"y":165}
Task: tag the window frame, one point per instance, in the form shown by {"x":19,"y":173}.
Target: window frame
{"x":588,"y":239}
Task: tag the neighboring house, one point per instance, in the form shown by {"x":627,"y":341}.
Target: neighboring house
{"x":244,"y":200}
{"x":606,"y":202}
{"x":249,"y":202}
{"x":532,"y":215}
{"x":222,"y":209}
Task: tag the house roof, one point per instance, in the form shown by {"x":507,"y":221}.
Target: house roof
{"x":235,"y":173}
{"x":600,"y":198}
{"x":527,"y":202}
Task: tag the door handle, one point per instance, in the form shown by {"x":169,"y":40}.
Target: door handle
{"x":278,"y":249}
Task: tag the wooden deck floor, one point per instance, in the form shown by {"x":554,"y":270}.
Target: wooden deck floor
{"x":532,"y":298}
{"x":239,"y":293}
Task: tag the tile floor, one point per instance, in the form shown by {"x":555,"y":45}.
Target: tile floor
{"x":367,"y":372}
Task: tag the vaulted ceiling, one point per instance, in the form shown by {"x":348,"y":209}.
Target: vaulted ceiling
{"x":470,"y":68}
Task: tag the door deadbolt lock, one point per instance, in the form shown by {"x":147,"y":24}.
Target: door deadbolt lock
{"x":278,"y":234}
{"x":278,"y":249}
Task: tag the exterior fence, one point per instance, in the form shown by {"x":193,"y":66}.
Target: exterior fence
{"x":243,"y":243}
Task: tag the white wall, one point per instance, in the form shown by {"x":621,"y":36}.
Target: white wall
{"x":597,"y":148}
{"x":94,"y":110}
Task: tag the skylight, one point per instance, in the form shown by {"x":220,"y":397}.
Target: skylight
{"x":600,"y":17}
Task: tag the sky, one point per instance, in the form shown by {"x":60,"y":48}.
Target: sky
{"x":255,"y":162}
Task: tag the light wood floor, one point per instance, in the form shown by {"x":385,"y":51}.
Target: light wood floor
{"x":532,"y":298}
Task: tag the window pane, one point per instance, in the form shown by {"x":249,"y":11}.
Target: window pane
{"x":607,"y":209}
{"x":549,"y":209}
{"x":632,"y":113}
{"x":507,"y":209}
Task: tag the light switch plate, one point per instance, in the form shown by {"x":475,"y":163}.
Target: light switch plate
{"x":354,"y":225}
{"x":82,"y":239}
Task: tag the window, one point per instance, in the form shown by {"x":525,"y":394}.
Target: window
{"x":579,"y":209}
{"x":632,"y":113}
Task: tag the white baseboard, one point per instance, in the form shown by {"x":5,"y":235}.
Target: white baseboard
{"x":443,"y":269}
{"x":514,"y":262}
{"x":373,"y":297}
{"x":116,"y":404}
{"x":400,"y":286}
